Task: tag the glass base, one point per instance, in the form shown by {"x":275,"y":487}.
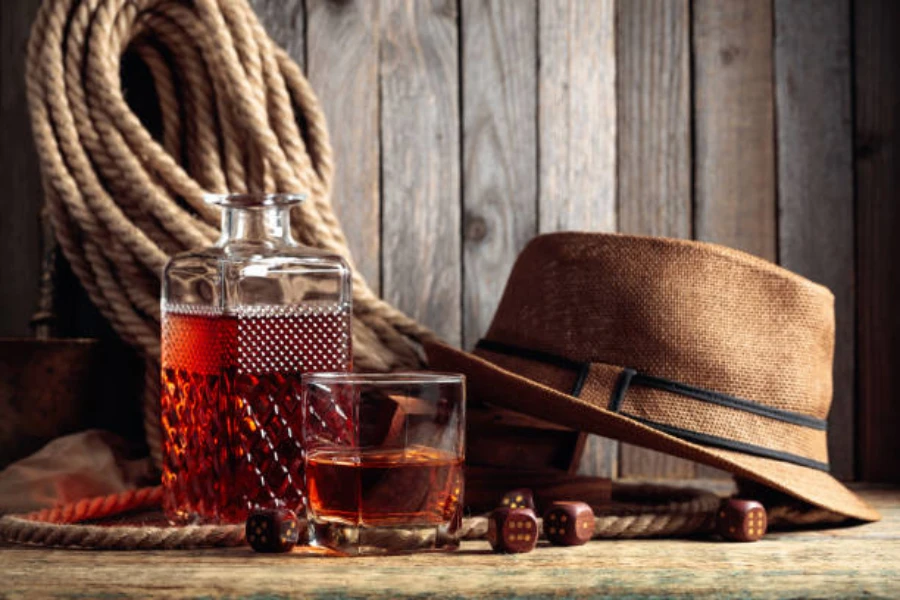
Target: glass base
{"x":363,"y":540}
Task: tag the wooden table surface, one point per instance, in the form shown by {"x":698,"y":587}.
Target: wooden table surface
{"x":853,"y":561}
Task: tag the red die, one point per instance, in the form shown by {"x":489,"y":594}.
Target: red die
{"x":512,"y":530}
{"x":741,"y":520}
{"x":569,"y":523}
{"x":519,"y":498}
{"x":272,"y":530}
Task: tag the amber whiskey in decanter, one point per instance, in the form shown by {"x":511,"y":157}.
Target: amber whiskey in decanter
{"x":241,"y":322}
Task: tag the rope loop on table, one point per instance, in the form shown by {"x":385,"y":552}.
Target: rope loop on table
{"x":637,"y":511}
{"x":687,"y":512}
{"x":62,"y":526}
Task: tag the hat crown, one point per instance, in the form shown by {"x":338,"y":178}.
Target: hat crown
{"x":692,"y":312}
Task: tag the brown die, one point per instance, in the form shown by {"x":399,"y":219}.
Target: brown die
{"x":512,"y":530}
{"x":272,"y":530}
{"x":518,"y":498}
{"x":569,"y":523}
{"x":741,"y":520}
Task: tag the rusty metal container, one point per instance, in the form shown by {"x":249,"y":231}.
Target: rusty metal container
{"x":46,"y":384}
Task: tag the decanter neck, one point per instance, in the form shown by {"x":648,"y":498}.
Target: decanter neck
{"x":263,"y":226}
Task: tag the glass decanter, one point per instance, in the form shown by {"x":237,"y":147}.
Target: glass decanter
{"x":241,"y":322}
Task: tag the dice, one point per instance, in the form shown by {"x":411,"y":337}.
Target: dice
{"x":741,"y":520}
{"x":272,"y":530}
{"x":568,"y":523}
{"x":519,"y":498}
{"x":512,"y":530}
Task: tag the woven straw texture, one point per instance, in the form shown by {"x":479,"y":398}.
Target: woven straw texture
{"x":695,"y":313}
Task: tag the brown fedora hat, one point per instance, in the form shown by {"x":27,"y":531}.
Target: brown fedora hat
{"x":689,"y":348}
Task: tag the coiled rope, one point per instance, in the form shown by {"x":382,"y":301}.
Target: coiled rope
{"x":236,"y":115}
{"x":58,"y":526}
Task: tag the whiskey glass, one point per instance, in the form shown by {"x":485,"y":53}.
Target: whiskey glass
{"x":241,"y":322}
{"x":384,"y":461}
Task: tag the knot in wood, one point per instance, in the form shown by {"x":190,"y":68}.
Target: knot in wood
{"x":476,"y":228}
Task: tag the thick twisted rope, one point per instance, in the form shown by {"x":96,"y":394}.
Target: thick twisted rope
{"x":237,"y":115}
{"x":57,"y":526}
{"x":685,"y":512}
{"x":637,"y":511}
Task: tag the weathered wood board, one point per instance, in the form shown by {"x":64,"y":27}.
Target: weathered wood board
{"x":877,"y":159}
{"x":499,"y":150}
{"x":734,"y":125}
{"x":815,"y":179}
{"x":577,"y":116}
{"x":420,"y":221}
{"x":342,"y":66}
{"x":832,"y":563}
{"x":22,"y":195}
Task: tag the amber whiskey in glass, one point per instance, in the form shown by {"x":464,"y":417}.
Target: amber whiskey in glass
{"x":389,"y":479}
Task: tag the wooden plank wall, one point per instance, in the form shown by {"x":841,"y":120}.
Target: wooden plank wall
{"x":20,"y":256}
{"x":462,"y":128}
{"x":876,"y":43}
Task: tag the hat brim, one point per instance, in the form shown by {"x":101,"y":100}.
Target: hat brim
{"x":510,"y":390}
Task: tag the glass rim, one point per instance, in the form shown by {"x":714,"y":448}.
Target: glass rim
{"x":398,"y":378}
{"x":253,"y":199}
